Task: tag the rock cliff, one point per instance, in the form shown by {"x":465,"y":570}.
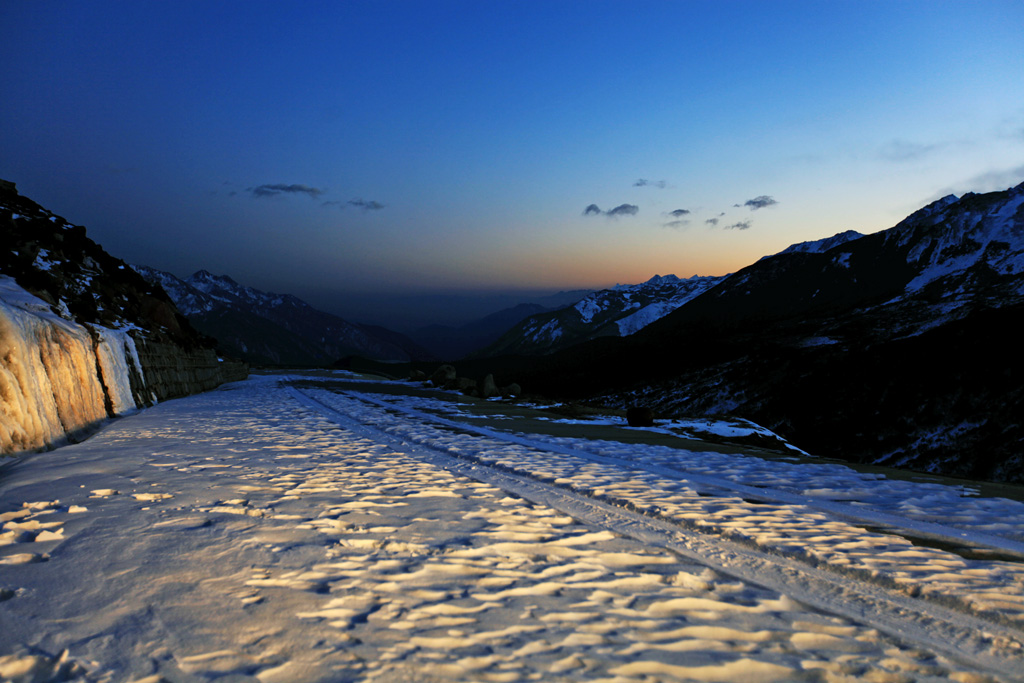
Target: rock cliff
{"x":83,"y":337}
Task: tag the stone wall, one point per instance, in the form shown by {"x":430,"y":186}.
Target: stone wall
{"x":171,"y":372}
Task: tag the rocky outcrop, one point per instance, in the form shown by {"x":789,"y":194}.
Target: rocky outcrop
{"x":84,"y":338}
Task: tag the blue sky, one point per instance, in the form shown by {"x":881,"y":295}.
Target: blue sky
{"x":357,"y":153}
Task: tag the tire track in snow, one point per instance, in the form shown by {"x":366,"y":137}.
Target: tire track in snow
{"x":848,"y":512}
{"x":973,"y":640}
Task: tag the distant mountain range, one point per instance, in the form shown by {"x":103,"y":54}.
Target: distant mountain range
{"x":898,"y":347}
{"x":451,"y":343}
{"x":619,"y":311}
{"x":275,"y":329}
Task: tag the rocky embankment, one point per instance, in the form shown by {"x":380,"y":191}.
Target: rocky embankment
{"x":83,"y":337}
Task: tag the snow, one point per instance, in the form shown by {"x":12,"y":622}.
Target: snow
{"x":115,"y":351}
{"x":588,"y":308}
{"x":548,"y":332}
{"x":818,"y":341}
{"x":689,"y":290}
{"x":998,"y":226}
{"x":42,"y":261}
{"x":822,"y":245}
{"x":268,"y":533}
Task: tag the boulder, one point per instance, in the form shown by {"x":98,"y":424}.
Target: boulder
{"x":417,"y":376}
{"x":511,"y":391}
{"x":465,"y":385}
{"x":640,"y":416}
{"x":487,"y":387}
{"x":443,"y":375}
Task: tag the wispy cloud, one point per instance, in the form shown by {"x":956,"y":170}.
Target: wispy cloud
{"x":1001,"y":179}
{"x":620,"y":210}
{"x":989,"y":181}
{"x":679,"y":213}
{"x":359,"y":203}
{"x":711,"y":221}
{"x":280,"y":189}
{"x":741,"y":225}
{"x":366,"y":205}
{"x":676,"y":224}
{"x":904,"y":151}
{"x":643,"y":182}
{"x":1011,"y":127}
{"x":757,"y":202}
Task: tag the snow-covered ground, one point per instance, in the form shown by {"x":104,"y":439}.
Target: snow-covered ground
{"x":267,"y":532}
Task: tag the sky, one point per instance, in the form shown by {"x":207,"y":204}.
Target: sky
{"x":388,"y":160}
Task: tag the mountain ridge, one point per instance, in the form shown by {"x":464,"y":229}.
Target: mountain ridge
{"x":275,"y":329}
{"x":618,"y":311}
{"x":876,"y":349}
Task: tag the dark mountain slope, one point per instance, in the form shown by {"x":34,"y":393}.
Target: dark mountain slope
{"x":276,"y":329}
{"x":891,"y":347}
{"x":615,"y":312}
{"x":452,"y":343}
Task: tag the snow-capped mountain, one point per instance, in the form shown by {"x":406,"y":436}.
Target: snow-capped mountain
{"x":896,"y":347}
{"x":276,"y":329}
{"x":620,"y":311}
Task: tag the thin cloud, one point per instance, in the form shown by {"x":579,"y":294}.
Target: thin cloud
{"x":1011,"y":127}
{"x":741,"y":225}
{"x":620,"y":210}
{"x":679,"y":213}
{"x":992,"y":181}
{"x":757,"y":202}
{"x":904,"y":151}
{"x":712,"y":221}
{"x":359,"y":203}
{"x":676,"y":224}
{"x":989,"y":181}
{"x":366,"y":205}
{"x":643,"y":182}
{"x":279,"y":189}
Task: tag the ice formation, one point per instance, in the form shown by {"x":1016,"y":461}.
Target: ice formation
{"x":57,"y":378}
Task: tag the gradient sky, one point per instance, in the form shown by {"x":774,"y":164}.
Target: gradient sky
{"x":364,"y":154}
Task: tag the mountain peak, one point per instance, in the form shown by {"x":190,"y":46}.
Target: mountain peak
{"x":207,"y":276}
{"x":822,"y":245}
{"x":662,"y":279}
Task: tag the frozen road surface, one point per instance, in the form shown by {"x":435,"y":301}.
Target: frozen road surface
{"x":283,"y":531}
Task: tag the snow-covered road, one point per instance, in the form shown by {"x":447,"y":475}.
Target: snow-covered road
{"x":276,"y":533}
